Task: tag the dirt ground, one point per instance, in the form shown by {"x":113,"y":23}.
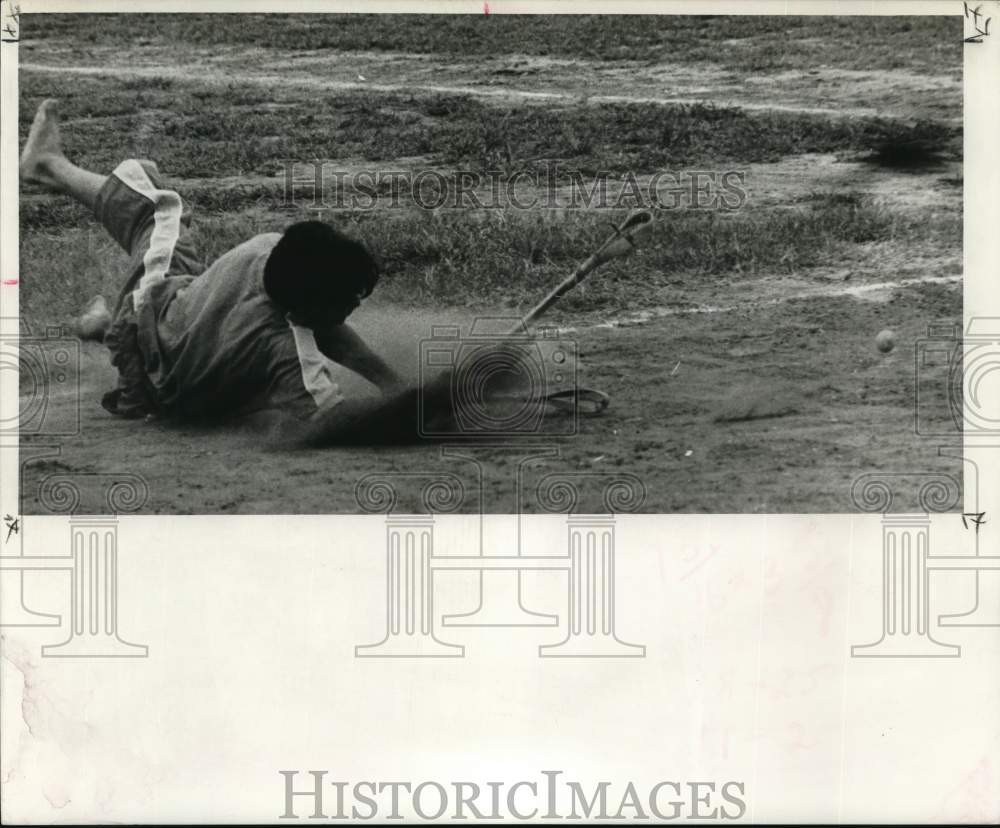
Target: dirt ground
{"x":728,"y":394}
{"x":822,"y":407}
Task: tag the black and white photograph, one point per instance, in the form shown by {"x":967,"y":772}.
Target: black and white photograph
{"x":495,"y":412}
{"x":265,"y":256}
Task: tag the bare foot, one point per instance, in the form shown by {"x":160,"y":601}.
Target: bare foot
{"x":95,"y":320}
{"x":43,"y":149}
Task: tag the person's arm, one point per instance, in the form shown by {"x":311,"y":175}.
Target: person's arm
{"x":400,"y":418}
{"x":341,"y":344}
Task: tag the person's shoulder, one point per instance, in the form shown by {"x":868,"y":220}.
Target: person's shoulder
{"x":251,"y":254}
{"x":269,"y":239}
{"x":261,"y":243}
{"x":239,"y":269}
{"x":256,"y":247}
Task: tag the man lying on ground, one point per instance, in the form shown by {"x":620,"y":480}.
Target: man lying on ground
{"x":253,"y":331}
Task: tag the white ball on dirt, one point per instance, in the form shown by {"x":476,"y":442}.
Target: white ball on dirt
{"x":885,"y":341}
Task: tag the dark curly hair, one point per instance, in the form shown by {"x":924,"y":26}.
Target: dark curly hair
{"x":315,"y":265}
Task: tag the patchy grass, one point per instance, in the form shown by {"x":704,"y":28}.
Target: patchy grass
{"x":510,"y":258}
{"x":912,"y":147}
{"x":198,"y":130}
{"x":740,"y":44}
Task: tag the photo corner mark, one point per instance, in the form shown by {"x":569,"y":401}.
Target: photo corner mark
{"x":10,"y":16}
{"x":980,"y":23}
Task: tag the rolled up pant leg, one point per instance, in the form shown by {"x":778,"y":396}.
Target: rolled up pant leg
{"x":149,"y":223}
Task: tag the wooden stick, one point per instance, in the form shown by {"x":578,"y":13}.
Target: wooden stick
{"x":620,"y":243}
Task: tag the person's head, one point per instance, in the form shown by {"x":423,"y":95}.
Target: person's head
{"x":318,"y":275}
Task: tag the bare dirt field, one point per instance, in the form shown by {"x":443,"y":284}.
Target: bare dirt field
{"x":737,"y":347}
